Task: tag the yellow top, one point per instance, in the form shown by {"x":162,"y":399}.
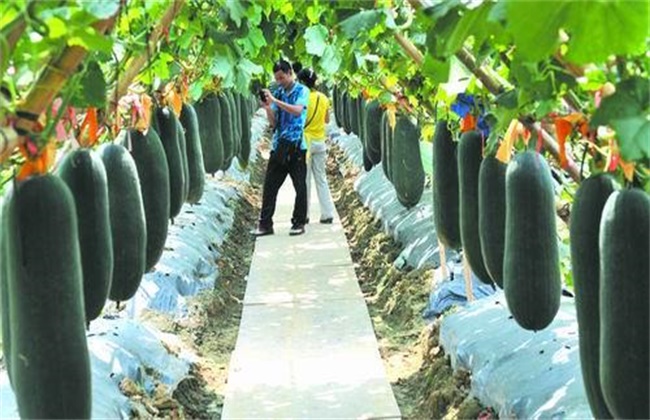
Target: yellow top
{"x":315,"y":131}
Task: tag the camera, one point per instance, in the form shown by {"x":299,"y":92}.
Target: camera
{"x":262,"y":95}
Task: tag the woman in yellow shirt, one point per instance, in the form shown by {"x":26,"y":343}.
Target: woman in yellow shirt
{"x":317,"y":117}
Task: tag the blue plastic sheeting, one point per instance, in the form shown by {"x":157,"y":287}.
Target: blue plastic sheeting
{"x":121,"y":345}
{"x":414,"y":228}
{"x":522,"y":374}
{"x":451,"y":291}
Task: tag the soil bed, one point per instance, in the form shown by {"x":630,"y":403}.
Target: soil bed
{"x":423,"y":381}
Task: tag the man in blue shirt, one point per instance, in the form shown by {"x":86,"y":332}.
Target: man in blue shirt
{"x":286,"y":109}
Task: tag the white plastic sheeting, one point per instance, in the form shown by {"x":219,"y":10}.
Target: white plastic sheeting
{"x":522,"y":374}
{"x":122,"y":345}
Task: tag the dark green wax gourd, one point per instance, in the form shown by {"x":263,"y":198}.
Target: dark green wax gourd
{"x":190,"y":123}
{"x":361,"y":115}
{"x":445,"y":187}
{"x":227,"y":130}
{"x":347,"y":112}
{"x":236,"y":108}
{"x":182,"y":142}
{"x":128,"y":223}
{"x":470,"y":156}
{"x":354,"y":115}
{"x":586,"y":212}
{"x":367,"y":163}
{"x":84,"y":174}
{"x":4,"y":286}
{"x":245,"y":150}
{"x":385,"y":156}
{"x":336,"y":104}
{"x":166,"y":125}
{"x":208,"y":113}
{"x":50,"y":365}
{"x":531,"y":267}
{"x":624,"y":244}
{"x":492,"y":216}
{"x":373,"y":131}
{"x":153,"y":175}
{"x":407,"y":170}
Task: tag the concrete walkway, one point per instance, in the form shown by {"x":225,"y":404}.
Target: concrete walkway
{"x":306,"y":348}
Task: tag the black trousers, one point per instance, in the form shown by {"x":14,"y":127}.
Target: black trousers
{"x":276,"y":173}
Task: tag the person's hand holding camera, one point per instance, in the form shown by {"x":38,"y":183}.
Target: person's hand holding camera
{"x":266,"y":97}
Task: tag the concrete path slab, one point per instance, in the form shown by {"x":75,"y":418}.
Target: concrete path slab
{"x":306,"y":348}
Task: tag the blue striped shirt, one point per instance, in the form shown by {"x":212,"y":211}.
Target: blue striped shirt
{"x":291,"y":127}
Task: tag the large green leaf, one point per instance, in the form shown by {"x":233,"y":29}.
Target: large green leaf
{"x":331,"y":60}
{"x":440,"y":32}
{"x":507,"y":99}
{"x":628,"y":112}
{"x":435,"y":69}
{"x":473,"y":22}
{"x":235,"y":10}
{"x":253,"y":42}
{"x":257,"y":37}
{"x":316,"y":39}
{"x":596,"y":30}
{"x":606,"y":28}
{"x":361,"y":22}
{"x":248,"y":67}
{"x":254,"y":14}
{"x":222,"y":66}
{"x":93,"y":86}
{"x":535,"y":25}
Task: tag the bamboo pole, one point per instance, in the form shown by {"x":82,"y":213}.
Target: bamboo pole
{"x":468,"y":279}
{"x":50,"y":82}
{"x":468,"y":60}
{"x":56,"y":73}
{"x":410,"y":49}
{"x":496,"y":88}
{"x":443,"y":260}
{"x":137,"y":63}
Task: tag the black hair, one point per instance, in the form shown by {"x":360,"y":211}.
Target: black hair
{"x":282,"y":65}
{"x":297,"y":66}
{"x":307,"y":77}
